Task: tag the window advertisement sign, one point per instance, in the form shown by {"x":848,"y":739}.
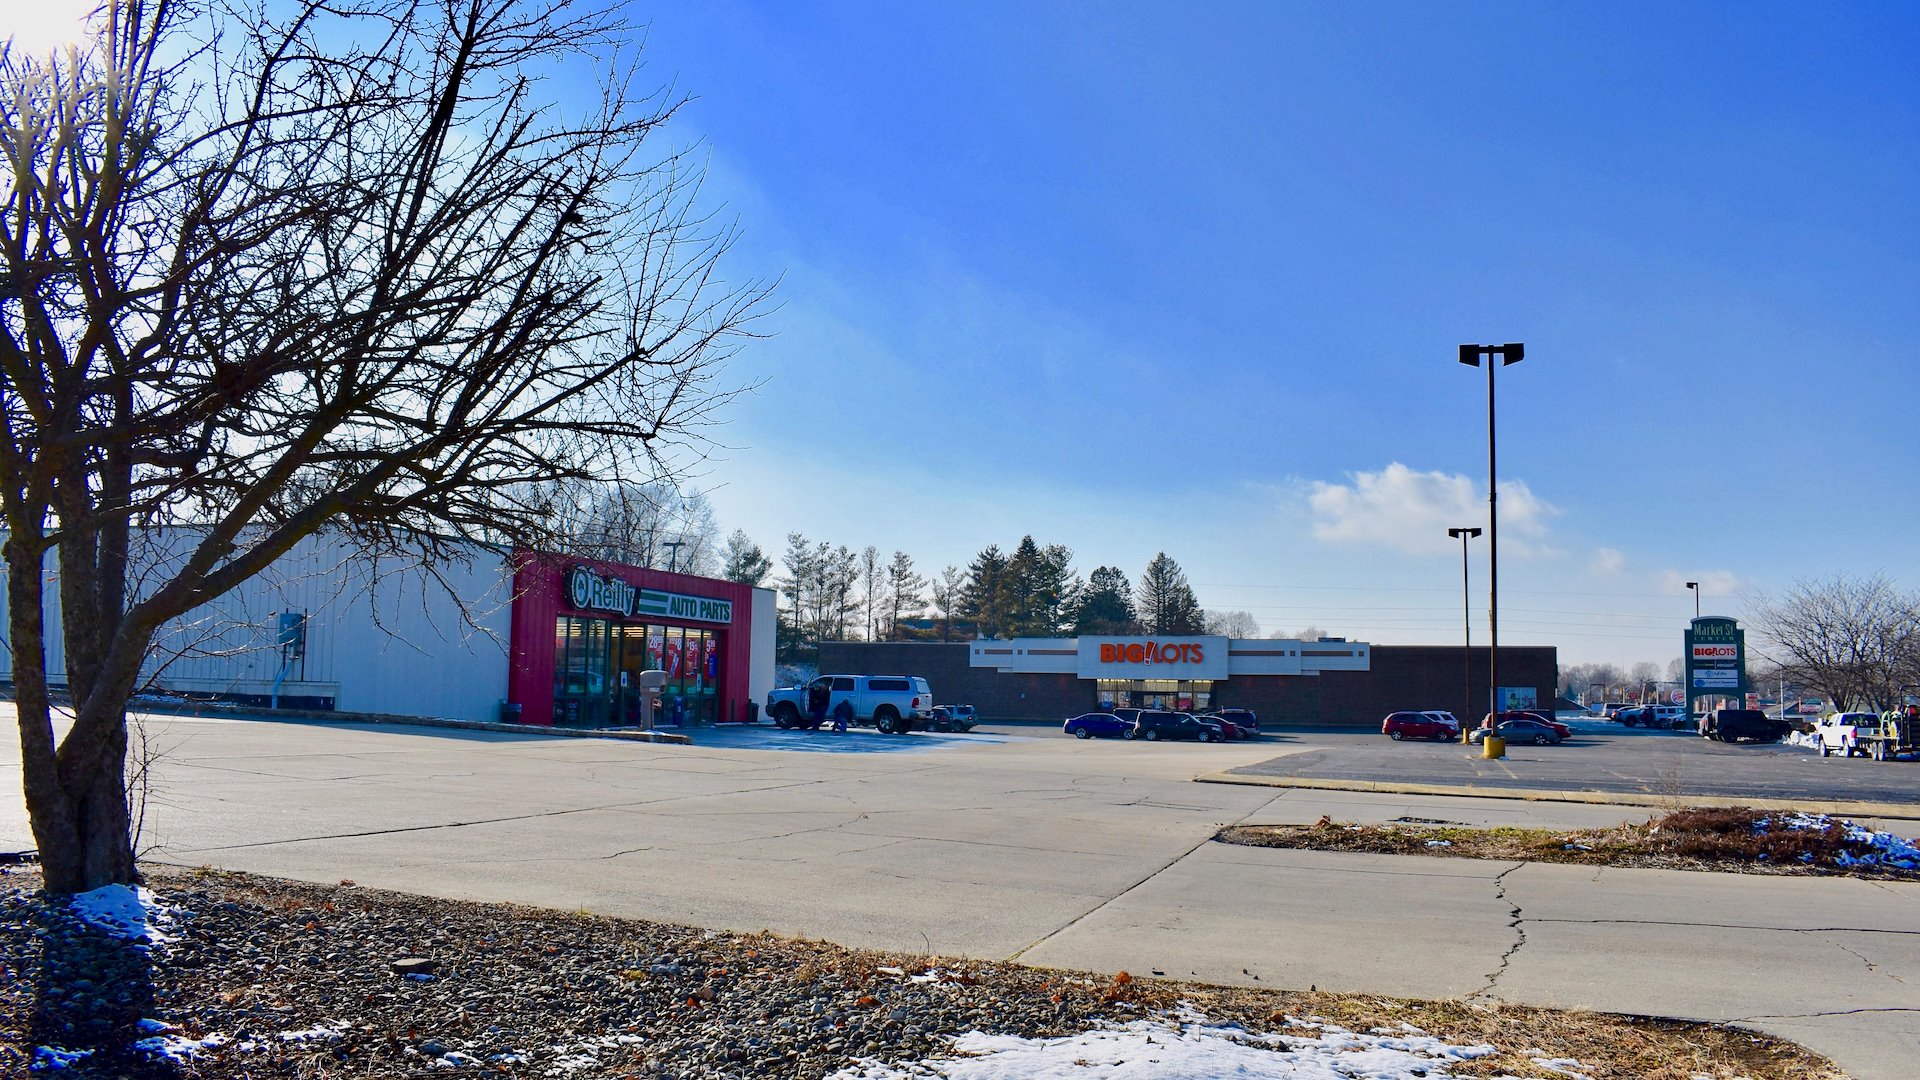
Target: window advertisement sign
{"x":1152,"y":657}
{"x":1715,"y":651}
{"x":1519,"y":697}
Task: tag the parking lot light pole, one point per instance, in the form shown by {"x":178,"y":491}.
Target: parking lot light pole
{"x":1694,"y":588}
{"x":1466,"y":613}
{"x":1510,"y":353}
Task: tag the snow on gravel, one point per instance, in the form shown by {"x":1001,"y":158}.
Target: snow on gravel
{"x":125,"y":911}
{"x":1186,"y":1046}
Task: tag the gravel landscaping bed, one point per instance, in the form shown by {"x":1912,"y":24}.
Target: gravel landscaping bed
{"x":244,"y":976}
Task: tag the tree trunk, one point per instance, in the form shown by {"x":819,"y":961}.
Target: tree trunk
{"x":80,"y":814}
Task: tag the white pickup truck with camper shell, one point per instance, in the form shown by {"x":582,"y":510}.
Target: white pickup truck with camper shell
{"x":895,"y":704}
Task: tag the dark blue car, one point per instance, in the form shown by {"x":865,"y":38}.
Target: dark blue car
{"x":1096,"y":725}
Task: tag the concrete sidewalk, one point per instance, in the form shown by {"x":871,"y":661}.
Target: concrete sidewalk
{"x":1056,"y":851}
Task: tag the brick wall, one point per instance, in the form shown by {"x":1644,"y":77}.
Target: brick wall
{"x":1401,"y":677}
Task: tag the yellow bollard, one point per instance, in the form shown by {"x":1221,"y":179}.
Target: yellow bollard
{"x":1493,"y":746}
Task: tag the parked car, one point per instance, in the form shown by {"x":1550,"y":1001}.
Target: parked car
{"x":1229,"y":728}
{"x":1732,"y":725}
{"x":1155,"y":725}
{"x":1668,"y":716}
{"x":1847,"y":733}
{"x":1542,"y":719}
{"x":1244,"y":719}
{"x":896,"y":704}
{"x":951,"y":718}
{"x":1097,"y":725}
{"x":1520,"y":730}
{"x":1419,"y":725}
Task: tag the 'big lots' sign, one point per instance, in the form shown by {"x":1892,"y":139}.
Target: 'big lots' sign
{"x":1152,"y":652}
{"x":1153,"y":658}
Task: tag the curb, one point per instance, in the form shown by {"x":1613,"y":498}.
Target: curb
{"x":1900,"y":811}
{"x":321,"y":716}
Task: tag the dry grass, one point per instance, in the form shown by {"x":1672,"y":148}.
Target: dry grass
{"x":1607,"y":1045}
{"x":1716,"y":838}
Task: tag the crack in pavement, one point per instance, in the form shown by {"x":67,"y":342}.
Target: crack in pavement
{"x":1872,"y":968}
{"x":1516,"y":924}
{"x":623,"y":805}
{"x":1734,"y":926}
{"x":1817,"y":1015}
{"x":1156,"y":872}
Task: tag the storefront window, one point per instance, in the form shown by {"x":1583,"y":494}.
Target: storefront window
{"x":1181,"y":695}
{"x":598,"y":664}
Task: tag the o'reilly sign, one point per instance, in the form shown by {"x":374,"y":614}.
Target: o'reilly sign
{"x":588,"y":591}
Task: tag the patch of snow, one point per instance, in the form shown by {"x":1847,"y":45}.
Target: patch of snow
{"x":150,"y":1026}
{"x":125,"y":911}
{"x":1886,"y":849}
{"x":307,"y":1034}
{"x":177,"y":1049}
{"x":1184,"y":1046}
{"x":1439,"y":843}
{"x":585,"y":1054}
{"x":53,"y":1058}
{"x":1563,"y":1067}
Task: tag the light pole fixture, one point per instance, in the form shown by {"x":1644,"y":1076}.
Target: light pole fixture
{"x":1510,"y":353}
{"x":1694,"y":586}
{"x":673,"y":553}
{"x":1466,"y":622}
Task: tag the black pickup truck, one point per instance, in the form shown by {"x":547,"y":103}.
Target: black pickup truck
{"x":1732,"y":725}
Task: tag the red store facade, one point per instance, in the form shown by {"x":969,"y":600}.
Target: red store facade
{"x":582,"y":630}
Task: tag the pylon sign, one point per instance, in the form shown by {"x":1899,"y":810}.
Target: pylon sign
{"x":1716,"y":655}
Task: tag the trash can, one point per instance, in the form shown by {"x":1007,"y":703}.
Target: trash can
{"x":753,"y":712}
{"x":509,"y":712}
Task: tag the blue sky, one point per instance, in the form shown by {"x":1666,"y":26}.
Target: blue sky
{"x":1144,"y":277}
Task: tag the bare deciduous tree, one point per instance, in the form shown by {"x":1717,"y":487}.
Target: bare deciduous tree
{"x":336,"y":265}
{"x":1233,"y":624}
{"x":1856,"y":641}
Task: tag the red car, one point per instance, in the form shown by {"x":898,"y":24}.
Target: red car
{"x":1564,"y":731}
{"x":1418,"y":725}
{"x":1228,"y":726}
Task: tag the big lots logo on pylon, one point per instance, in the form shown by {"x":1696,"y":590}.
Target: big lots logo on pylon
{"x":1152,"y":652}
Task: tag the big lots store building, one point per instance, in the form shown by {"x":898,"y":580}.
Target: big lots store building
{"x":1286,"y":682}
{"x":533,"y":637}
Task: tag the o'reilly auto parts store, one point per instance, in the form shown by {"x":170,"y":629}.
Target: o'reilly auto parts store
{"x":1286,"y":682}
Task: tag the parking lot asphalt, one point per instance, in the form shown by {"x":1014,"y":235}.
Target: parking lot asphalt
{"x":1094,"y":855}
{"x":1605,"y":760}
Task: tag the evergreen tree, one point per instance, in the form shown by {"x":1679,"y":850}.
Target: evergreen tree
{"x":1105,"y":606}
{"x":743,"y":561}
{"x":1039,"y":588}
{"x":949,"y":592}
{"x":873,"y":576}
{"x":905,"y":591}
{"x":1167,"y":603}
{"x":801,"y":643}
{"x":983,"y":597}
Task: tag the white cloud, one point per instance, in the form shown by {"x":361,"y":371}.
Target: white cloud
{"x":1713,"y":583}
{"x":1608,"y":561}
{"x":1411,"y":511}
